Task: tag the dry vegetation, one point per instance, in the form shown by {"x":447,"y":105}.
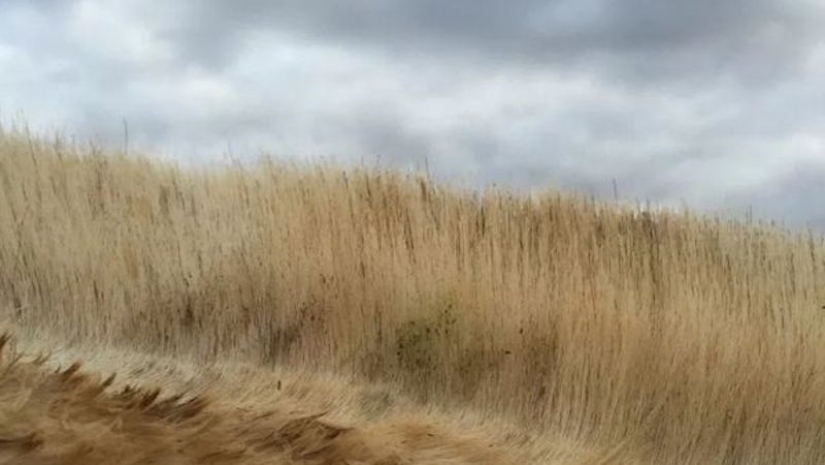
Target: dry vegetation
{"x":649,"y":338}
{"x":68,"y":417}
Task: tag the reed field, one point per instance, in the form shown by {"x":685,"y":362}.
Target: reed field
{"x":438,"y":324}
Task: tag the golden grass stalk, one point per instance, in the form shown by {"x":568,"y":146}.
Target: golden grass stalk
{"x":691,"y":339}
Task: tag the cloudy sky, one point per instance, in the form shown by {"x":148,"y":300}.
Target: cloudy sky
{"x":714,"y":104}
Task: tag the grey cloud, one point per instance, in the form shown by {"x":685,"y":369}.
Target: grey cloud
{"x":387,"y":140}
{"x":633,"y":42}
{"x":793,"y":199}
{"x":757,"y":41}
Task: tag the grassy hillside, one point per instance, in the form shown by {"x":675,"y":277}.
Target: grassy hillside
{"x":664,"y":337}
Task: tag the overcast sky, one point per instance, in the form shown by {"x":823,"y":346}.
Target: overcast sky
{"x":714,"y":104}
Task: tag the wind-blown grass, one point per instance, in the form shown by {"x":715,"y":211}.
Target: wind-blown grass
{"x":70,"y":417}
{"x":676,"y":338}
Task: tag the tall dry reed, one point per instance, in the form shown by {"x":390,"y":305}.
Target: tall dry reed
{"x":681,"y":338}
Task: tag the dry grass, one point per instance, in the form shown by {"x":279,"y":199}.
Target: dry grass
{"x":67,"y":417}
{"x":661,"y":337}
